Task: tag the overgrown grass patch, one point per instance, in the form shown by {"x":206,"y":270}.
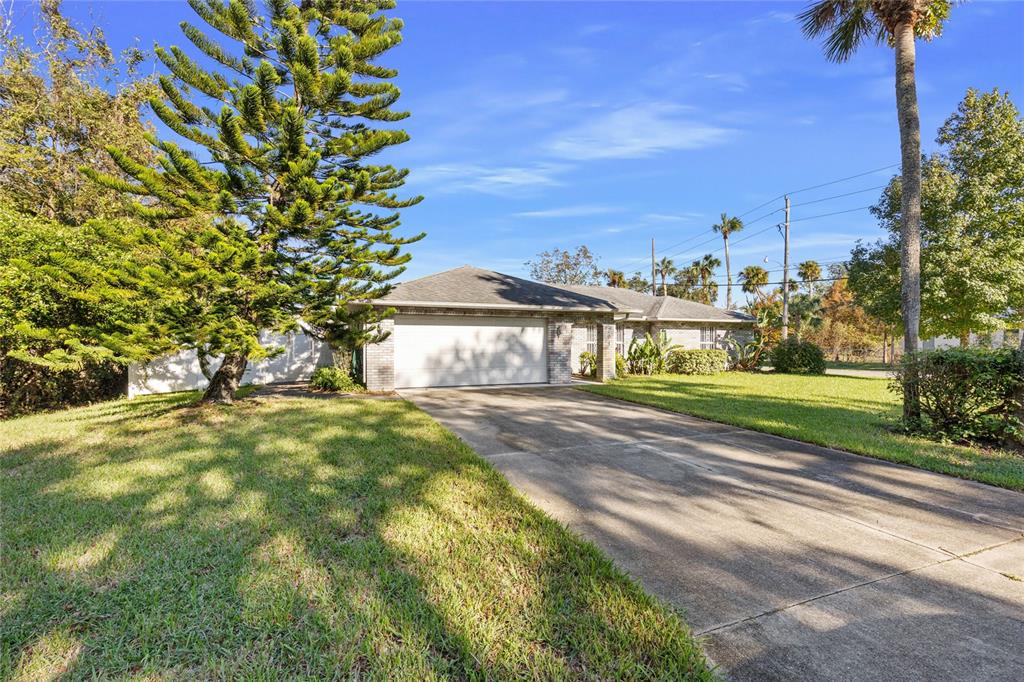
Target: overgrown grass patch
{"x":285,"y":538}
{"x":854,"y":414}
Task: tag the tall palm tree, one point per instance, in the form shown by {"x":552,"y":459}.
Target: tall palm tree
{"x":615,"y":278}
{"x":845,"y":25}
{"x":665,"y":269}
{"x":753,"y":278}
{"x":725,"y":228}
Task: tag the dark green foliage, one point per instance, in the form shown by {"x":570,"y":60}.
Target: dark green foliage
{"x":588,"y":363}
{"x":968,"y":394}
{"x":281,"y":204}
{"x":52,"y":327}
{"x":794,"y":356}
{"x":697,"y":361}
{"x":335,"y":380}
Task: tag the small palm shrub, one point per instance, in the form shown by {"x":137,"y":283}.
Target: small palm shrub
{"x":794,"y":356}
{"x":746,"y":357}
{"x":334,"y":380}
{"x":649,"y":355}
{"x":588,"y":363}
{"x":968,"y":393}
{"x":691,"y":361}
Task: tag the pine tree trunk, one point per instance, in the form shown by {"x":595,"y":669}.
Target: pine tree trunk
{"x":728,"y":276}
{"x":226,"y":379}
{"x":342,"y":358}
{"x":910,"y":229}
{"x":965,"y":339}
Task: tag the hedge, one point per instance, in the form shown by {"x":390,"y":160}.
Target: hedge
{"x":704,"y":361}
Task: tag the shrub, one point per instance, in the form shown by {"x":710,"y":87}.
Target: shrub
{"x":621,"y":369}
{"x":746,"y":357}
{"x":968,"y":394}
{"x":588,"y":363}
{"x":704,"y":361}
{"x":335,"y":380}
{"x":794,"y":356}
{"x":649,"y":355}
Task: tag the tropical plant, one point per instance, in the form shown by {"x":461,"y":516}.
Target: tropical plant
{"x":649,"y":355}
{"x":726,"y":227}
{"x":809,"y":272}
{"x":845,"y":25}
{"x":621,"y":367}
{"x":753,"y":279}
{"x":704,"y":273}
{"x":615,"y":278}
{"x":556,"y":266}
{"x":284,"y":191}
{"x":588,"y":363}
{"x":665,"y":269}
{"x":637,"y":282}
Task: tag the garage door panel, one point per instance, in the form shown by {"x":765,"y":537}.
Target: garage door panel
{"x":467,"y":350}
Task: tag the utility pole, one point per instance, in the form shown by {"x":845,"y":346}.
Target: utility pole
{"x":654,"y":280}
{"x":785,"y":276}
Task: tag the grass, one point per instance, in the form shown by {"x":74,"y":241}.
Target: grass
{"x":838,"y":364}
{"x":298,"y":538}
{"x":848,"y":413}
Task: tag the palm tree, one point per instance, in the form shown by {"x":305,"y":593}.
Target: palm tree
{"x":705,"y":269}
{"x":725,"y":228}
{"x":665,"y":269}
{"x":844,"y":25}
{"x":753,"y":277}
{"x":809,"y":272}
{"x":615,"y":278}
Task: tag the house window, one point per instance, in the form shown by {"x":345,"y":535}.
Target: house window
{"x":620,"y":340}
{"x":708,"y":337}
{"x":592,"y":339}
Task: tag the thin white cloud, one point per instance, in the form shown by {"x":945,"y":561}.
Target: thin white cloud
{"x":637,"y":131}
{"x":569,"y":211}
{"x":497,"y":180}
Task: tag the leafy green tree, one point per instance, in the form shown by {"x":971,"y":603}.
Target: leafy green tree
{"x":726,"y":227}
{"x":281,"y":203}
{"x":637,"y":282}
{"x":61,"y":100}
{"x":664,"y":269}
{"x":972,"y":226}
{"x":704,"y":268}
{"x":845,"y":25}
{"x":565,"y":267}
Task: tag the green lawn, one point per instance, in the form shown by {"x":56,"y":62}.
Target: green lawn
{"x":284,"y":538}
{"x":880,"y":366}
{"x":843,"y":412}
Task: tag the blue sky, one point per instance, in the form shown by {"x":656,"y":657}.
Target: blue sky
{"x":552,"y":124}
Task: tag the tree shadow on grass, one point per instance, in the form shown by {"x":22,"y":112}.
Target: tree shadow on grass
{"x":301,"y":539}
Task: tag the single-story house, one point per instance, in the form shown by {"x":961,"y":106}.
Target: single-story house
{"x":473,"y":327}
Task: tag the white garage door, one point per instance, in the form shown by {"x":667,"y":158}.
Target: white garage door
{"x":439,"y":350}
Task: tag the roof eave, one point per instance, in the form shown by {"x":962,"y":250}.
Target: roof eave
{"x":497,"y":306}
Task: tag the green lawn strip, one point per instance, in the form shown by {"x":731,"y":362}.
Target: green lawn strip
{"x":848,"y":413}
{"x":284,"y":538}
{"x":878,"y":366}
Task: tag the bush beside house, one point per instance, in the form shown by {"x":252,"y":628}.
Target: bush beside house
{"x":705,"y":361}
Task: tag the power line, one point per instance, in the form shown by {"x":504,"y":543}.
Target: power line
{"x":803,"y":281}
{"x":838,"y":196}
{"x":825,"y":215}
{"x":824,"y":184}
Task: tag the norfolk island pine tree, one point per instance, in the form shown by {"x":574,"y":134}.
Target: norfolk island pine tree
{"x":271,"y":216}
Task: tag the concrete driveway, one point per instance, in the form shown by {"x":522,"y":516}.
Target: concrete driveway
{"x":789,"y":561}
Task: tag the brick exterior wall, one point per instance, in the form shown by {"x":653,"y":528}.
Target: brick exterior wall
{"x":379,"y":361}
{"x":559,"y":342}
{"x":605,"y":351}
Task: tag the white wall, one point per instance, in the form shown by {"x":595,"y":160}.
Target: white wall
{"x":302,"y":354}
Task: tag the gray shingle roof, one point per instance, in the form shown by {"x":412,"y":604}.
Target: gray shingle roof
{"x":662,"y":308}
{"x":469,"y":287}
